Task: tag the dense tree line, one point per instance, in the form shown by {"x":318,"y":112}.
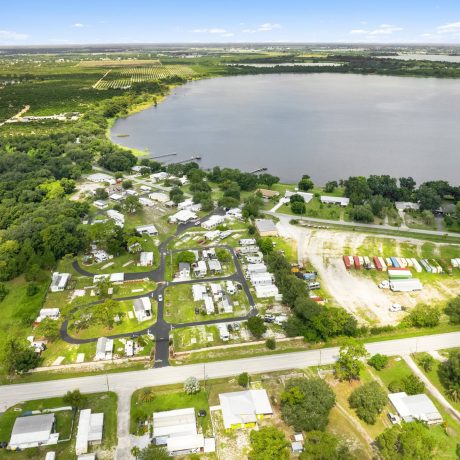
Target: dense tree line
{"x":311,"y":320}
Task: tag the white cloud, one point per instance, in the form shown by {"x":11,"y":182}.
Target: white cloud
{"x":215,"y":30}
{"x":452,"y":28}
{"x":228,"y":34}
{"x":266,"y":27}
{"x":11,"y":35}
{"x":78,"y":25}
{"x":383,"y":29}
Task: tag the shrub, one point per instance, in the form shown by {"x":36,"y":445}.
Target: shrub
{"x":256,"y":326}
{"x":243,"y":380}
{"x":424,"y":316}
{"x":426,"y":361}
{"x":395,"y":386}
{"x":271,"y":343}
{"x":378,"y":361}
{"x":32,"y":289}
{"x":191,"y":386}
{"x":413,"y":385}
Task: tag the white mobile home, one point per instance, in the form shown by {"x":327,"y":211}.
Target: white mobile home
{"x":59,"y":281}
{"x":142,"y":309}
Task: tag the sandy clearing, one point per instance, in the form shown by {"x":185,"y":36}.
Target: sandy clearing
{"x":351,"y":290}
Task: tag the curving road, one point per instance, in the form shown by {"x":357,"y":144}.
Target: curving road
{"x":162,"y":328}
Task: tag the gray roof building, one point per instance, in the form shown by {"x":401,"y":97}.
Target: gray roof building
{"x":33,"y":431}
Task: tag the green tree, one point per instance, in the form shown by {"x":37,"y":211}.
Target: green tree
{"x":103,"y":313}
{"x":378,"y":361}
{"x":176,"y":195}
{"x":413,"y":385}
{"x":410,"y":441}
{"x":453,"y":310}
{"x":3,"y":291}
{"x":357,"y":189}
{"x":131,"y":204}
{"x":349,"y":365}
{"x":49,"y":328}
{"x":424,"y":316}
{"x":18,"y":357}
{"x":368,"y":400}
{"x":256,"y":326}
{"x":75,"y":399}
{"x":305,"y":183}
{"x":449,"y":372}
{"x":243,"y":380}
{"x":270,"y":343}
{"x":127,"y":184}
{"x":32,"y":289}
{"x":186,"y":256}
{"x":321,"y":445}
{"x":330,"y":186}
{"x":297,"y":207}
{"x":306,"y":403}
{"x":154,"y":453}
{"x":426,"y":361}
{"x":428,"y":198}
{"x":268,"y":443}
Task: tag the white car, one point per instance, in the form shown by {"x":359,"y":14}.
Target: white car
{"x":395,"y":307}
{"x":160,"y":298}
{"x":385,"y":284}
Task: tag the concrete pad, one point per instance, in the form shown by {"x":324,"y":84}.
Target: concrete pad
{"x":107,"y":265}
{"x":58,"y":361}
{"x":128,"y":263}
{"x":80,"y":358}
{"x":130,"y":315}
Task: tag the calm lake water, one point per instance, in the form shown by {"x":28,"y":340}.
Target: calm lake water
{"x":325,"y":125}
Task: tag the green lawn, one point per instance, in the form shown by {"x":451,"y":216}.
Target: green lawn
{"x":180,"y":307}
{"x":316,"y":209}
{"x":98,"y":402}
{"x":433,"y":377}
{"x":18,"y":310}
{"x":167,"y":399}
{"x":126,"y":324}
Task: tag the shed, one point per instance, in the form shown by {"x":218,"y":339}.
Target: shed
{"x":146,"y":259}
{"x":266,"y":227}
{"x":33,"y":431}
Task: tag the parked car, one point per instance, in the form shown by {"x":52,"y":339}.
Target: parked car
{"x":269,"y":318}
{"x":160,"y":298}
{"x":393,"y":418}
{"x":385,"y":284}
{"x":396,"y":307}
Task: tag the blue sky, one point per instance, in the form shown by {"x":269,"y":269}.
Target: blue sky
{"x":141,"y":21}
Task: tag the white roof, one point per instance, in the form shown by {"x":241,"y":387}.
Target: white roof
{"x":150,"y":228}
{"x":90,"y":427}
{"x":208,"y":304}
{"x":100,"y":177}
{"x":60,"y":279}
{"x":335,"y":199}
{"x":87,"y":457}
{"x":214,"y":265}
{"x":104,"y":344}
{"x":146,"y":257}
{"x":115,"y":215}
{"x":183,"y":216}
{"x":201,"y":265}
{"x":185,"y":443}
{"x":265,"y":225}
{"x":306,"y":196}
{"x":418,"y":407}
{"x":198,"y":290}
{"x":142,"y":305}
{"x":257,"y":268}
{"x":174,"y":423}
{"x":32,"y":429}
{"x":50,"y":456}
{"x":402,"y":205}
{"x":49,"y":312}
{"x":158,"y":196}
{"x":243,"y":406}
{"x":117,"y":277}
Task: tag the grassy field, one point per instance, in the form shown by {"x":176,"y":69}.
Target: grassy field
{"x":167,"y":399}
{"x":126,"y":323}
{"x":180,"y":307}
{"x":98,"y":402}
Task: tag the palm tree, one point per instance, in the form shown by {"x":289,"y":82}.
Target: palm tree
{"x":135,"y":451}
{"x":454,"y":394}
{"x":146,"y":395}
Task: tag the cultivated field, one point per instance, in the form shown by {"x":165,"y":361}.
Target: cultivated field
{"x":126,"y":76}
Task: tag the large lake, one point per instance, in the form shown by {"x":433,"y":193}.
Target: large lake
{"x":329,"y":126}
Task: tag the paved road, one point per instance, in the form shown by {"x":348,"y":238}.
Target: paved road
{"x":360,"y":225}
{"x":130,"y":381}
{"x":431,"y":388}
{"x":162,"y":328}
